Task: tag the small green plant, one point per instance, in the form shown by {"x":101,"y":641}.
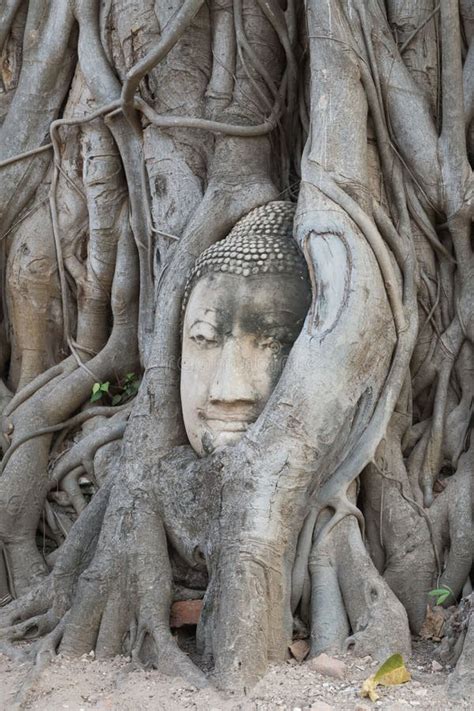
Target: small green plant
{"x":98,"y":390}
{"x":129,"y":389}
{"x":119,"y":393}
{"x":442,"y":594}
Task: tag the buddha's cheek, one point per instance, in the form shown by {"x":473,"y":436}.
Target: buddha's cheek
{"x":196,"y":367}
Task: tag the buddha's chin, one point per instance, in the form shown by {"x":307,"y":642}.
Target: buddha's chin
{"x":214,"y":439}
{"x":226,"y":438}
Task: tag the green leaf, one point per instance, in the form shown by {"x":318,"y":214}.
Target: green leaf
{"x":438,"y":591}
{"x":96,"y":396}
{"x":441,"y":594}
{"x":116,"y":399}
{"x":129,"y":377}
{"x":105,"y":387}
{"x":95,"y":388}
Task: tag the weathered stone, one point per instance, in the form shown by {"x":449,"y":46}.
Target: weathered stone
{"x":299,"y":649}
{"x":328,"y":666}
{"x":321,"y":706}
{"x":436,"y":666}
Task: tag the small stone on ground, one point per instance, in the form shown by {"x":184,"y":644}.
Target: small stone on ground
{"x":328,"y":666}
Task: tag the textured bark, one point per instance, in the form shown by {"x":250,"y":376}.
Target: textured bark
{"x":351,"y":496}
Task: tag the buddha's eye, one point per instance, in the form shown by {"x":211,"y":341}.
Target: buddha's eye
{"x":201,"y":340}
{"x":203,"y":335}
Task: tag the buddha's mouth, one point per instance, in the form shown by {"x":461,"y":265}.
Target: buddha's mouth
{"x":228,"y":420}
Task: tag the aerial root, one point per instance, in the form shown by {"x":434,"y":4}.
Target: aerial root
{"x":34,"y":386}
{"x":82,"y":453}
{"x":342,"y":507}
{"x":74,"y":421}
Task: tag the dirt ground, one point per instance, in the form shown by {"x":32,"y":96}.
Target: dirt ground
{"x":86,"y":684}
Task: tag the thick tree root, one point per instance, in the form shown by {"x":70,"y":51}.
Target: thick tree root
{"x":461,"y":681}
{"x":121,"y":603}
{"x":410,"y":542}
{"x":25,"y":481}
{"x":347,"y":591}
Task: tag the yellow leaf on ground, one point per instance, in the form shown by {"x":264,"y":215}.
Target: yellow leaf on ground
{"x":392,"y":672}
{"x":368,"y":688}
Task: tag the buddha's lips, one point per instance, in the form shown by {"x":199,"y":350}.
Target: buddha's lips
{"x":232,"y":422}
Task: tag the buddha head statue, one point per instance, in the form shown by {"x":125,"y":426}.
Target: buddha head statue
{"x":244,"y":305}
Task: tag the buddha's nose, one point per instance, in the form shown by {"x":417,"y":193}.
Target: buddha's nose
{"x":232,"y":381}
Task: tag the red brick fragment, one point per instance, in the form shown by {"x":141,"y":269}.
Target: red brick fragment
{"x":185,"y":612}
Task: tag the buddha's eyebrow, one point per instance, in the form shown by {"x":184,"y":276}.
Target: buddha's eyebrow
{"x":202,"y":320}
{"x":204,"y":312}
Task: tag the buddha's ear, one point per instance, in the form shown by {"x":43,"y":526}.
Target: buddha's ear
{"x":328,"y":258}
{"x":324,"y":235}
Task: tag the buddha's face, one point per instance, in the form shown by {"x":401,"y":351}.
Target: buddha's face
{"x":237,"y":333}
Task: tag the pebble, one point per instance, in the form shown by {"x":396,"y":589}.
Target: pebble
{"x":299,"y":649}
{"x":321,"y":706}
{"x":436,"y":666}
{"x":328,"y":666}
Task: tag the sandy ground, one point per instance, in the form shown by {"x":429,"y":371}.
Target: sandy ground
{"x":85,"y":684}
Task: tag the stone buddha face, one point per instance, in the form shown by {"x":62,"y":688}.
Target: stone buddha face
{"x":246,"y":301}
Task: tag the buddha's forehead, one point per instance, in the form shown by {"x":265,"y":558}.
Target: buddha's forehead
{"x":253,"y":302}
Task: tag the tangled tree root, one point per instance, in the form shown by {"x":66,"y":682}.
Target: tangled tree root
{"x":457,"y":648}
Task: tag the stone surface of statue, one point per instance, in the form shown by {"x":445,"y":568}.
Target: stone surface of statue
{"x":245,"y":303}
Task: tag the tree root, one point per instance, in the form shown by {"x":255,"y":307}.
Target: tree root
{"x":461,"y":681}
{"x":112,"y":598}
{"x":43,"y":653}
{"x":347,"y":589}
{"x":50,"y":407}
{"x":37,"y":626}
{"x":72,"y":422}
{"x":34,"y":603}
{"x":415,"y":541}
